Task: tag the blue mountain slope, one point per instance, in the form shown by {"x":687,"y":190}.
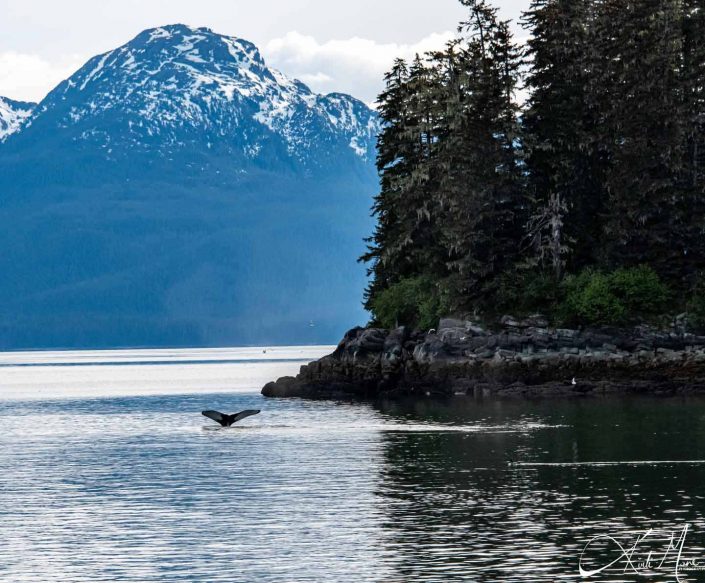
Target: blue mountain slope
{"x":177,"y":191}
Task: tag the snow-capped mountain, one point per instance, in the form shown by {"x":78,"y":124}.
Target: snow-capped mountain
{"x":176,"y":84}
{"x":12,"y":114}
{"x":178,"y":191}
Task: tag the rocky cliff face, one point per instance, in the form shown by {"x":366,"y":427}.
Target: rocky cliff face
{"x":523,"y":359}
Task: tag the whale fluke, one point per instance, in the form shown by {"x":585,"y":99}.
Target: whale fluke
{"x":226,"y":420}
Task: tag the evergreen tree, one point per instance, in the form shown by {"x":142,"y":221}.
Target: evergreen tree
{"x":480,"y":183}
{"x":565,"y":162}
{"x":405,"y":243}
{"x":641,"y":103}
{"x":691,"y":207}
{"x":394,"y":161}
{"x":694,"y":88}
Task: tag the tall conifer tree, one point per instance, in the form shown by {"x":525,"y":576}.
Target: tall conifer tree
{"x":480,"y":187}
{"x":406,"y":242}
{"x":564,"y":161}
{"x":643,"y":123}
{"x":395,"y":161}
{"x":691,"y":205}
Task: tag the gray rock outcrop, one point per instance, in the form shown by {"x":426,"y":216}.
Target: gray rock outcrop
{"x":524,"y":358}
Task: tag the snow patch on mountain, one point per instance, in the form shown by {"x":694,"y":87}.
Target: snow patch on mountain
{"x":12,"y":115}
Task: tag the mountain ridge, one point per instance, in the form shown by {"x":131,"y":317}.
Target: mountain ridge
{"x":211,"y":72}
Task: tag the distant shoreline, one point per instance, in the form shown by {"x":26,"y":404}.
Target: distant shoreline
{"x":51,"y":375}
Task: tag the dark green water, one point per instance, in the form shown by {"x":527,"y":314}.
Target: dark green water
{"x":138,"y":489}
{"x":459,"y":509}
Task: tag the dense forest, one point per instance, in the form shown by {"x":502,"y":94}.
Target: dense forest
{"x":586,"y":202}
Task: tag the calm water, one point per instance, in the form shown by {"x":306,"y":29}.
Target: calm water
{"x":105,"y":475}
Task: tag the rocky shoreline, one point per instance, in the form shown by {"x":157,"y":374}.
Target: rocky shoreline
{"x":521,"y":359}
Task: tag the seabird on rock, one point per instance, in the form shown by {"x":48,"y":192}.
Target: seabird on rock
{"x":227,"y":420}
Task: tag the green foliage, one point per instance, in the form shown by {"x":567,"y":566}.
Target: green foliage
{"x":696,"y":306}
{"x":696,"y":310}
{"x":590,"y":300}
{"x":523,"y":292}
{"x":414,"y":302}
{"x":614,"y":298}
{"x":640,"y":289}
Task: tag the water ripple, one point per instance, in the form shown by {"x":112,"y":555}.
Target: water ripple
{"x":142,"y":488}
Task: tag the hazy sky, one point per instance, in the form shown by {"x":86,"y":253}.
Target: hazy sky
{"x":331,"y":45}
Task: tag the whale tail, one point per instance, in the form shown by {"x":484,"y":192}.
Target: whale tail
{"x":226,"y":420}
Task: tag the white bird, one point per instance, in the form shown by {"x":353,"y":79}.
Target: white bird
{"x":573,"y":382}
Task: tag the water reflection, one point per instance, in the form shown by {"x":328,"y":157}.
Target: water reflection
{"x":455,"y":508}
{"x":134,"y":488}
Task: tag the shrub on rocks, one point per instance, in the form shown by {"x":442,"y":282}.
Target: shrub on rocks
{"x":415,"y":302}
{"x":615,"y":298}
